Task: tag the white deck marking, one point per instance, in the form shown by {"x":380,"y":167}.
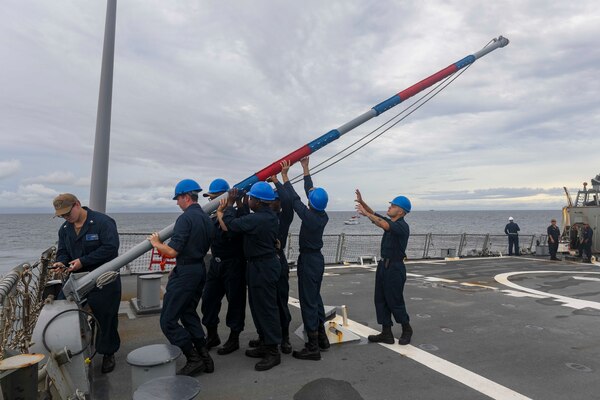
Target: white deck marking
{"x":453,"y":371}
{"x":585,"y":278}
{"x":567,"y":301}
{"x":434,"y":279}
{"x":478,"y":285}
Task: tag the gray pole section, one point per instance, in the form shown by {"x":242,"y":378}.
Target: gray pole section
{"x":102,"y":140}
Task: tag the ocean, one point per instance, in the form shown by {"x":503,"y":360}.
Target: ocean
{"x":25,"y":236}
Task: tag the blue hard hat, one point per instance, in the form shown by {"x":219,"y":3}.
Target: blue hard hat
{"x":318,"y":199}
{"x":217,"y":186}
{"x":402,"y":202}
{"x":186,"y":186}
{"x":262,"y":191}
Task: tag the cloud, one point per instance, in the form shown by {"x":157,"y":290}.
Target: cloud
{"x":9,"y":168}
{"x":53,"y":178}
{"x":27,"y":195}
{"x":224,"y":89}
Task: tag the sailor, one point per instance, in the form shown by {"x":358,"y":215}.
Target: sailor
{"x":192,"y":236}
{"x":260,"y":230}
{"x":390,"y":276}
{"x":574,"y":240}
{"x":512,"y":231}
{"x":311,"y":263}
{"x":87,"y":240}
{"x":586,"y":242}
{"x":282,"y":205}
{"x":226,"y":278}
{"x":553,"y":237}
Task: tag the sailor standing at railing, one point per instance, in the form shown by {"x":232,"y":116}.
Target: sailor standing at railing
{"x":512,"y":231}
{"x":192,"y":236}
{"x":87,"y":240}
{"x":390,"y":276}
{"x":311,"y":263}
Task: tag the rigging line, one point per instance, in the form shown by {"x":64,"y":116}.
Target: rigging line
{"x":437,"y":90}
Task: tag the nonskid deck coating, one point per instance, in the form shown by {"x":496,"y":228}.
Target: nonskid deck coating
{"x":525,"y":345}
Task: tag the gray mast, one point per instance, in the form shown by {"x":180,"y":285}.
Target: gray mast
{"x":102,"y":140}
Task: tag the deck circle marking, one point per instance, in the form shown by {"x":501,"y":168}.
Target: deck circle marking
{"x":428,"y":347}
{"x":447,"y":330}
{"x":423,"y":315}
{"x":567,"y":301}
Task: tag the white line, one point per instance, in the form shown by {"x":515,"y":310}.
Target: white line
{"x":567,"y":301}
{"x":459,"y":374}
{"x":585,"y":278}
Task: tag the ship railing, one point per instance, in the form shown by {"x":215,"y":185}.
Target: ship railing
{"x":21,"y":299}
{"x":349,"y":248}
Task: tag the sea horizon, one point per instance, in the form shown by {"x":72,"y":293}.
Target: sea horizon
{"x":26,"y":235}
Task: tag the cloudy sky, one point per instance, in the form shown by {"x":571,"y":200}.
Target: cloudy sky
{"x":206,"y":89}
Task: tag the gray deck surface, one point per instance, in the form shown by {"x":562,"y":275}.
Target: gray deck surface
{"x":527,"y":345}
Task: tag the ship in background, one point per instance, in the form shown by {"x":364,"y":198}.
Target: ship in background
{"x":585,"y":209}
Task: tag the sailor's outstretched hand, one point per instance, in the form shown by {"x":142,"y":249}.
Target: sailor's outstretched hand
{"x":361,"y":209}
{"x":359,"y":198}
{"x":304,"y":163}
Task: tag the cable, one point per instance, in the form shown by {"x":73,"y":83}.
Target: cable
{"x":417,"y":104}
{"x":97,"y":324}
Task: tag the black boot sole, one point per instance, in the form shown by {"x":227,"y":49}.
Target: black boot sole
{"x":258,"y":367}
{"x":374,"y":339}
{"x":304,"y":356}
{"x":255,"y":355}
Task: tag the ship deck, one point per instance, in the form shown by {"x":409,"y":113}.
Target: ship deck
{"x":503,"y":328}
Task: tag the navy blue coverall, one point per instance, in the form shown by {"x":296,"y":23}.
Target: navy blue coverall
{"x":512,"y":230}
{"x":262,"y":268}
{"x":286,"y":216}
{"x":391,"y":274}
{"x":311,"y":263}
{"x":96,"y":244}
{"x":586,"y":243}
{"x":554,"y":233}
{"x":192,"y":236}
{"x":226,"y":277}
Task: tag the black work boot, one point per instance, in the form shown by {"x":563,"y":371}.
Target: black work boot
{"x":194,"y":363}
{"x":257,"y":352}
{"x":108,"y":363}
{"x":311,"y":349}
{"x":209,"y":365}
{"x":386,"y":336}
{"x":406,"y":334}
{"x":323,"y":340}
{"x":271,"y":358}
{"x":255,"y":342}
{"x":231,"y":345}
{"x":212,"y":337}
{"x":286,"y":347}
